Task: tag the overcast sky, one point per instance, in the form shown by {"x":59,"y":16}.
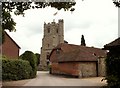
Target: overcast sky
{"x":97,"y":20}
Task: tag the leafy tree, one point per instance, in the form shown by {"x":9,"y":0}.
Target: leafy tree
{"x":113,"y":68}
{"x":83,"y":41}
{"x":117,"y":3}
{"x":30,"y":56}
{"x":38,"y":58}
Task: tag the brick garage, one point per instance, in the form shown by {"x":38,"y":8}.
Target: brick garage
{"x":10,"y":48}
{"x":76,"y":60}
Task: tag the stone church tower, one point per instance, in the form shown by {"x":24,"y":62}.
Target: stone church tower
{"x":53,"y":35}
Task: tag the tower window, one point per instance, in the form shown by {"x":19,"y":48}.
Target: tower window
{"x":57,"y":30}
{"x":48,"y":30}
{"x":47,"y":58}
{"x":48,"y":45}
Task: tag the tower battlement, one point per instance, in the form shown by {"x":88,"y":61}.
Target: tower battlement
{"x":50,"y":23}
{"x":61,"y":20}
{"x":53,"y":28}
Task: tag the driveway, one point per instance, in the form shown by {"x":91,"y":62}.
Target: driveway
{"x":46,"y":79}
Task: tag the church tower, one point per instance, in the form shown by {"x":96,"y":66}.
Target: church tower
{"x":53,"y":35}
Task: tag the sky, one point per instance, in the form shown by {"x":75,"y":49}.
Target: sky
{"x":97,"y":20}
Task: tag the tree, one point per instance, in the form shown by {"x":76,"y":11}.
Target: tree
{"x":113,"y":64}
{"x":83,"y":41}
{"x":38,"y":58}
{"x":112,"y":68}
{"x":30,"y":56}
{"x":117,"y":3}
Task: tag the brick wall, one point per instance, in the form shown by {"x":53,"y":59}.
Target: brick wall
{"x":9,"y":48}
{"x":65,"y":68}
{"x":80,"y":69}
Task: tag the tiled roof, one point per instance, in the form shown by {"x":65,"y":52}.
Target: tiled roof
{"x":113,"y":43}
{"x":79,"y":53}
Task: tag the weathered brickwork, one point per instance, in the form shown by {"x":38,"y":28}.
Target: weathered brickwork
{"x":65,"y":68}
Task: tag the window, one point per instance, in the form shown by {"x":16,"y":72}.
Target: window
{"x":57,"y":30}
{"x":48,"y":61}
{"x":48,"y":45}
{"x":47,"y":55}
{"x":48,"y":30}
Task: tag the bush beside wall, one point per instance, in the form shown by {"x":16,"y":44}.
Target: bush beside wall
{"x":113,"y":69}
{"x":16,"y":69}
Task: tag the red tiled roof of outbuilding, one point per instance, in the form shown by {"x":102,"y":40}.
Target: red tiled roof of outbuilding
{"x":77,"y":55}
{"x":73,"y":52}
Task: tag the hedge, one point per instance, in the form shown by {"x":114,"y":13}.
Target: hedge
{"x":37,"y":58}
{"x":31,"y":57}
{"x":16,"y":69}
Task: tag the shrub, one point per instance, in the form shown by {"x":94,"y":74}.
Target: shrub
{"x":15,"y":69}
{"x":113,"y":69}
{"x":37,"y":58}
{"x":30,"y":56}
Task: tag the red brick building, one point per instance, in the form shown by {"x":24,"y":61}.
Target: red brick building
{"x":77,"y":60}
{"x":10,"y":48}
